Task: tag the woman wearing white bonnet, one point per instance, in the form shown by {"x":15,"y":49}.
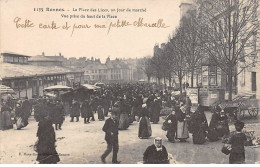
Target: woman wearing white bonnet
{"x":156,"y":153}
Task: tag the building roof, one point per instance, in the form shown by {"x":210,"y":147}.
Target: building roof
{"x":17,"y":70}
{"x":58,"y":58}
{"x":96,"y":66}
{"x":11,"y":54}
{"x":42,"y":58}
{"x":111,"y":64}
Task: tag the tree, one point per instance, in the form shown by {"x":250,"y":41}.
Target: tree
{"x":168,"y":61}
{"x":226,"y":29}
{"x":145,"y":65}
{"x":157,"y":63}
{"x":177,"y":59}
{"x":191,"y":47}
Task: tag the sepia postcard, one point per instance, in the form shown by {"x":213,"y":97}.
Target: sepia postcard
{"x":129,"y":82}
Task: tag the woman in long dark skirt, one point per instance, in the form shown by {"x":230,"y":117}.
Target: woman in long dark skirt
{"x":199,"y":126}
{"x":155,"y":111}
{"x":123,"y":118}
{"x":172,"y":128}
{"x":145,"y":130}
{"x":223,"y":129}
{"x":46,"y":150}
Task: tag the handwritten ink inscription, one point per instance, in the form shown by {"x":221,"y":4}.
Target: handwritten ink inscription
{"x":53,"y":25}
{"x":25,"y":24}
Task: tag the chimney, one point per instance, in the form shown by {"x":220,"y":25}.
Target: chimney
{"x":43,"y":54}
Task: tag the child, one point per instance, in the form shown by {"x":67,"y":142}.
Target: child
{"x":237,"y":154}
{"x":172,"y":120}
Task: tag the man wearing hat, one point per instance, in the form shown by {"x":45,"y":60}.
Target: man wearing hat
{"x":156,"y":153}
{"x":111,"y":137}
{"x":237,"y":153}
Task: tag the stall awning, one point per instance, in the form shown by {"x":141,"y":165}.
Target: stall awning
{"x":58,"y":88}
{"x":90,"y":87}
{"x":6,"y":90}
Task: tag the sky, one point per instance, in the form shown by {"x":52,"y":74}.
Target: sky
{"x":122,"y":42}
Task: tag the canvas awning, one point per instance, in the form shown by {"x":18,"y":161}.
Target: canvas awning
{"x":90,"y":87}
{"x":6,"y":90}
{"x":58,"y":88}
{"x":99,"y":84}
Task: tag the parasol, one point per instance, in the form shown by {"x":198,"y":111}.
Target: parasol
{"x":6,"y":90}
{"x":58,"y":88}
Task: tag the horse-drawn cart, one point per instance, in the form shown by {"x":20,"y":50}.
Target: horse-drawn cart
{"x":241,"y":104}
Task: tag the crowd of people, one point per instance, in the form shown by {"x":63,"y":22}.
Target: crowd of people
{"x":15,"y":113}
{"x":126,"y":103}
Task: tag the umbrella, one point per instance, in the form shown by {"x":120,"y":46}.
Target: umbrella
{"x":6,"y":90}
{"x":92,"y":87}
{"x":58,"y":88}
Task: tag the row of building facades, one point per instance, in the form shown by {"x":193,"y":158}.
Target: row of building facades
{"x":29,"y":75}
{"x":211,"y":80}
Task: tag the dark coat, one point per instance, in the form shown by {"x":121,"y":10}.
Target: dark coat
{"x":214,"y":121}
{"x":86,"y":111}
{"x":198,"y":119}
{"x":75,"y":110}
{"x":100,"y":113}
{"x":46,"y":150}
{"x":57,"y":113}
{"x":27,"y":108}
{"x":124,"y":108}
{"x":152,"y":156}
{"x":219,"y":124}
{"x":38,"y":111}
{"x":172,"y":128}
{"x":155,"y":111}
{"x":237,"y":154}
{"x":110,"y":126}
